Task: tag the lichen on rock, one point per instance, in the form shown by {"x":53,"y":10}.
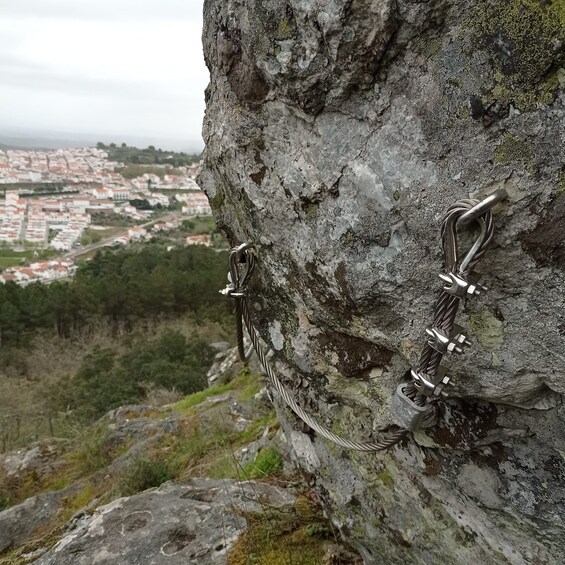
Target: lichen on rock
{"x":526,"y":39}
{"x":376,"y":116}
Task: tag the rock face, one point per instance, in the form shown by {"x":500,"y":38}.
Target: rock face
{"x":20,"y":523}
{"x":337,"y":133}
{"x":196,"y":523}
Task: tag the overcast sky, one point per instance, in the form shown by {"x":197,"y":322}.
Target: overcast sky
{"x":109,"y":67}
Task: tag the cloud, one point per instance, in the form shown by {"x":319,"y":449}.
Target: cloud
{"x":103,"y":10}
{"x":126,"y":66}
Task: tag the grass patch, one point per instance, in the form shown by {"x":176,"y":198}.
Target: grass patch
{"x":6,"y":262}
{"x":93,"y":452}
{"x":198,"y":440}
{"x":268,"y":463}
{"x":256,"y":428}
{"x":246,"y":385}
{"x":196,"y":398}
{"x":78,"y":501}
{"x":295,"y":534}
{"x":225,"y":467}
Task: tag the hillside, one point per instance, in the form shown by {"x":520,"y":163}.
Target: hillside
{"x":64,"y":500}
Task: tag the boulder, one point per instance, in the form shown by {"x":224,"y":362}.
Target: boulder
{"x":194,"y":523}
{"x":22,"y":522}
{"x":337,"y":134}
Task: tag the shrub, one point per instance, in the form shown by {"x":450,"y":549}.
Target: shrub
{"x":143,"y":474}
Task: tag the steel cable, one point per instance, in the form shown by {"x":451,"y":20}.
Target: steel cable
{"x":242,"y":262}
{"x":389,"y":440}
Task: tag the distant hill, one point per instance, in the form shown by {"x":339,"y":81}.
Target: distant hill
{"x":16,"y":139}
{"x":148,"y":156}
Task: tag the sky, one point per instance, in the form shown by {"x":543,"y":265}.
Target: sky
{"x":103,"y":67}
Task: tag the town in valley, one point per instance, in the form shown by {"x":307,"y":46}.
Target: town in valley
{"x":60,"y":204}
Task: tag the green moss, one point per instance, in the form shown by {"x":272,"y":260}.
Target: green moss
{"x":487,"y":329}
{"x":285,"y":30}
{"x":386,"y":478}
{"x":217,"y":202}
{"x":432,"y":46}
{"x":520,"y":37}
{"x":310,"y":209}
{"x":512,"y":149}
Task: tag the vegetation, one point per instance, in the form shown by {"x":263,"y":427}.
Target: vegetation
{"x":103,"y":463}
{"x":520,"y":38}
{"x":6,"y":262}
{"x":107,"y":380}
{"x":148,"y":156}
{"x":133,"y":323}
{"x":90,"y":236}
{"x":267,"y":463}
{"x":291,"y":534}
{"x":10,"y":258}
{"x":144,"y":473}
{"x":114,"y":220}
{"x":124,"y":287}
{"x":204,"y":440}
{"x":199,"y":225}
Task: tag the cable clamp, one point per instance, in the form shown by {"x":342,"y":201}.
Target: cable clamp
{"x":431,"y":385}
{"x":460,"y":286}
{"x":443,"y":343}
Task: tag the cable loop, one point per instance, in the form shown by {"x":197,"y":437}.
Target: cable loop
{"x":241,"y":262}
{"x":413,"y":404}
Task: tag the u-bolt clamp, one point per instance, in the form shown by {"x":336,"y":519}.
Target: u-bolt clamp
{"x":461,"y":286}
{"x":431,"y":386}
{"x":451,"y":342}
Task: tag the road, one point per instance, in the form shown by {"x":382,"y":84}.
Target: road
{"x":107,"y":241}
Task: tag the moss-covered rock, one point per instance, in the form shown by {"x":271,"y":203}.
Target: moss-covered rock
{"x":525,"y":40}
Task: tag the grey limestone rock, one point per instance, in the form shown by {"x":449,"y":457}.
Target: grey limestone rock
{"x":195,"y":523}
{"x":21,"y":522}
{"x":41,"y":459}
{"x":337,"y":134}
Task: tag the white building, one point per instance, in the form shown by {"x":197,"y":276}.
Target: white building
{"x":137,"y":233}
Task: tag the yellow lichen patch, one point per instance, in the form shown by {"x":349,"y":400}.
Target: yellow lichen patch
{"x":521,"y":37}
{"x":561,"y":185}
{"x":513,"y":149}
{"x":487,"y":329}
{"x":285,"y":30}
{"x":385,"y":477}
